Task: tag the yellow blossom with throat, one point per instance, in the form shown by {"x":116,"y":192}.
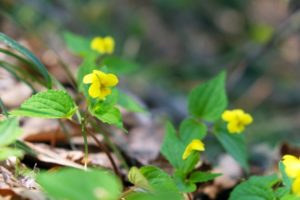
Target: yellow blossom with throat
{"x":237,"y":120}
{"x":101,"y":83}
{"x":103,"y":45}
{"x":292,"y":169}
{"x":195,"y":145}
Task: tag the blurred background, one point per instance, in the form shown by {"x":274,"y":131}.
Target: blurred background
{"x":178,"y":44}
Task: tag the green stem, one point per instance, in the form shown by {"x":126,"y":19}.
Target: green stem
{"x":83,"y":130}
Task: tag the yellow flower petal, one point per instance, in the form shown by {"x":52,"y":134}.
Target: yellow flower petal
{"x":246,"y":119}
{"x":235,"y":127}
{"x":98,"y":44}
{"x":110,"y":80}
{"x":104,"y":92}
{"x":109,"y":44}
{"x":94,"y":90}
{"x":195,"y":145}
{"x":237,"y":120}
{"x":100,"y":83}
{"x":296,"y":186}
{"x":292,"y":165}
{"x":88,"y":78}
{"x":228,"y":116}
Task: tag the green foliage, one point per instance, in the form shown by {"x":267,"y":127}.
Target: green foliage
{"x":47,"y":104}
{"x":161,"y":184}
{"x":209,"y":99}
{"x":256,"y":188}
{"x":106,"y":110}
{"x":6,"y":152}
{"x":286,"y":182}
{"x":234,"y":144}
{"x":119,"y":65}
{"x":191,"y":129}
{"x":129,"y":103}
{"x":110,"y":115}
{"x":173,"y":148}
{"x":37,"y":65}
{"x":77,"y":44}
{"x":9,"y":132}
{"x":200,"y":177}
{"x":77,"y":185}
{"x":136,"y":177}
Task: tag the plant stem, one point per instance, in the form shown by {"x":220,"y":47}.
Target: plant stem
{"x":104,"y":148}
{"x":83,"y":130}
{"x":110,"y":144}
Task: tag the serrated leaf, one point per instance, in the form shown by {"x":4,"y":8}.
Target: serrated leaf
{"x":208,"y":100}
{"x":119,"y":65}
{"x":129,"y":103}
{"x":78,"y":185}
{"x":47,"y":104}
{"x":256,"y":188}
{"x":200,"y":177}
{"x":77,"y":44}
{"x":234,"y":144}
{"x":9,"y":131}
{"x":37,"y":65}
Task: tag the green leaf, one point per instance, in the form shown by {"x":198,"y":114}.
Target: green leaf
{"x":75,"y":184}
{"x":162,"y":186}
{"x":138,"y":179}
{"x":111,"y":115}
{"x":129,"y":103}
{"x":38,"y":66}
{"x":6,"y":152}
{"x":256,"y":188}
{"x":47,"y":104}
{"x":286,"y":181}
{"x":77,"y":44}
{"x":209,"y":99}
{"x":183,"y":184}
{"x":173,"y":148}
{"x":200,"y":177}
{"x":9,"y":131}
{"x":234,"y":144}
{"x":191,"y":129}
{"x":119,"y":65}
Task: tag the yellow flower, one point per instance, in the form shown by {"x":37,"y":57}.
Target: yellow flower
{"x":292,"y":169}
{"x":100,"y":83}
{"x":292,"y":166}
{"x":104,"y":45}
{"x":296,"y":186}
{"x":195,"y":145}
{"x":237,"y":120}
